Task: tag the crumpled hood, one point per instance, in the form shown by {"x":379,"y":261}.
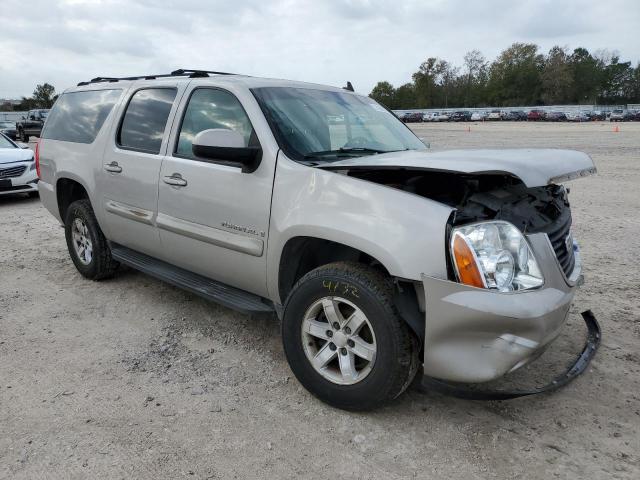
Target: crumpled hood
{"x":11,"y":155}
{"x":535,"y":167}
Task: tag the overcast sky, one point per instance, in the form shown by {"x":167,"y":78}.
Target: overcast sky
{"x":66,"y":41}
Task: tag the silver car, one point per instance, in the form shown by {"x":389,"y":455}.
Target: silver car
{"x":378,"y":255}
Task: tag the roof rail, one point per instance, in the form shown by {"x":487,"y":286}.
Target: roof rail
{"x":181,"y":72}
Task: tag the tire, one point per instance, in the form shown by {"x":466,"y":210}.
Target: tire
{"x":98,"y":264}
{"x":350,"y":288}
{"x":24,"y":137}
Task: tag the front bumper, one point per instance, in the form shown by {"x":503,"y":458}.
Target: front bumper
{"x":477,"y":335}
{"x":25,"y":183}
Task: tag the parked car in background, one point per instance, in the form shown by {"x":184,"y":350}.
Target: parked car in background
{"x":536,"y":115}
{"x":412,"y":117}
{"x":378,"y":255}
{"x":441,"y":117}
{"x":598,"y":115}
{"x":31,"y":125}
{"x":17,"y":168}
{"x":8,"y":129}
{"x":460,"y":116}
{"x":636,"y":116}
{"x":556,"y":117}
{"x":516,"y":116}
{"x":495,"y":115}
{"x":620,"y":116}
{"x":478,"y":116}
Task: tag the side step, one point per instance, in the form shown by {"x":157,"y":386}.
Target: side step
{"x":210,"y":289}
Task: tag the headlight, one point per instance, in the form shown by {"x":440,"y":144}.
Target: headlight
{"x":494,"y":255}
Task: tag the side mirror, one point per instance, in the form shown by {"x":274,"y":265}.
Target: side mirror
{"x":22,"y":145}
{"x":226,"y":146}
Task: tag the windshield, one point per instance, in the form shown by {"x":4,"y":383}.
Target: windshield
{"x":322,"y":125}
{"x":6,"y":143}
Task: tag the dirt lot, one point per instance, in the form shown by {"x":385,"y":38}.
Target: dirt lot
{"x":132,"y":378}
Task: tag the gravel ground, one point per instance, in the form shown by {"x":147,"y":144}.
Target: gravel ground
{"x":132,"y":378}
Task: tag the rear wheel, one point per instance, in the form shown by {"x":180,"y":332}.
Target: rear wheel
{"x":344,"y":339}
{"x":87,"y":245}
{"x":23,"y":136}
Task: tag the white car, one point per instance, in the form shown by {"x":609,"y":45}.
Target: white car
{"x":17,"y":168}
{"x":441,"y":117}
{"x":478,"y":116}
{"x":495,"y":115}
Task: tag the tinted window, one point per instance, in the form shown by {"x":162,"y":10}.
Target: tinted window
{"x":212,"y":108}
{"x":78,"y":116}
{"x":145,"y":119}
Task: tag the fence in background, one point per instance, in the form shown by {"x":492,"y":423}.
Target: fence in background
{"x":12,"y":116}
{"x":546,"y":108}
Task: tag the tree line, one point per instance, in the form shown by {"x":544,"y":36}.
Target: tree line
{"x":520,"y":75}
{"x":43,"y":96}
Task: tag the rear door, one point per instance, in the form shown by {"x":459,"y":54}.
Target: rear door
{"x":131,"y":165}
{"x":214,"y":221}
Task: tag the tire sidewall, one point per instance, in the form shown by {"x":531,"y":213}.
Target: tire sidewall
{"x":80,"y":210}
{"x":375,"y":387}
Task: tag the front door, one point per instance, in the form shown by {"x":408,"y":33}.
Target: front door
{"x":131,"y":165}
{"x":212,"y":218}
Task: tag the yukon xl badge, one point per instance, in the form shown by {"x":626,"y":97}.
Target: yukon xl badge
{"x":240,"y":228}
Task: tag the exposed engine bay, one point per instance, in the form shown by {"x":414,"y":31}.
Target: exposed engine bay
{"x":481,"y":197}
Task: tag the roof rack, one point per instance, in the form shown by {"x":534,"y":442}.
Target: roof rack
{"x":181,"y":72}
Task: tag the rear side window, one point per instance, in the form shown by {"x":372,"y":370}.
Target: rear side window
{"x":79,"y":116}
{"x":146,"y":117}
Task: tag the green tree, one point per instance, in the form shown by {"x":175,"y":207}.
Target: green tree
{"x":475,"y":78}
{"x":384,"y":93}
{"x":406,"y":96}
{"x":587,"y":76}
{"x":44,"y":95}
{"x":557,"y":77}
{"x":617,"y":82}
{"x":515,"y":76}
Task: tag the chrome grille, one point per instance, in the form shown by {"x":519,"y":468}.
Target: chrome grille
{"x":12,"y":172}
{"x":560,"y":237}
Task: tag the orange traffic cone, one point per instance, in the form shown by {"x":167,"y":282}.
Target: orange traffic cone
{"x":616,"y":129}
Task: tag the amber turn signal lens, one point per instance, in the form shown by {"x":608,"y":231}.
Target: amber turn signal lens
{"x":465,"y":261}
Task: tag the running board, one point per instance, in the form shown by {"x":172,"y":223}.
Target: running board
{"x":209,"y":289}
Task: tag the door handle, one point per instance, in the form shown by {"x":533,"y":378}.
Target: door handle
{"x":113,"y":167}
{"x":176,"y":180}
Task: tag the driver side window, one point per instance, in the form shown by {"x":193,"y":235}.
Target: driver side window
{"x":213,"y":108}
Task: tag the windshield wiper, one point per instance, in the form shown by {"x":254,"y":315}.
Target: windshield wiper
{"x":346,"y":151}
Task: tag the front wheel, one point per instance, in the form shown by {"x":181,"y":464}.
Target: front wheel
{"x":344,"y":339}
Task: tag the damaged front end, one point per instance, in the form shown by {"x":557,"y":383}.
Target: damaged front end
{"x":483,"y":325}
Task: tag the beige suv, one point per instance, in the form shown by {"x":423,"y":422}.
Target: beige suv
{"x":318,"y":204}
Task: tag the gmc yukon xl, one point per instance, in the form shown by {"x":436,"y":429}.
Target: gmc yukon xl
{"x":380,"y":257}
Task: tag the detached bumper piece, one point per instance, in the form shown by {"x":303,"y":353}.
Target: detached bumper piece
{"x":468,"y":392}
